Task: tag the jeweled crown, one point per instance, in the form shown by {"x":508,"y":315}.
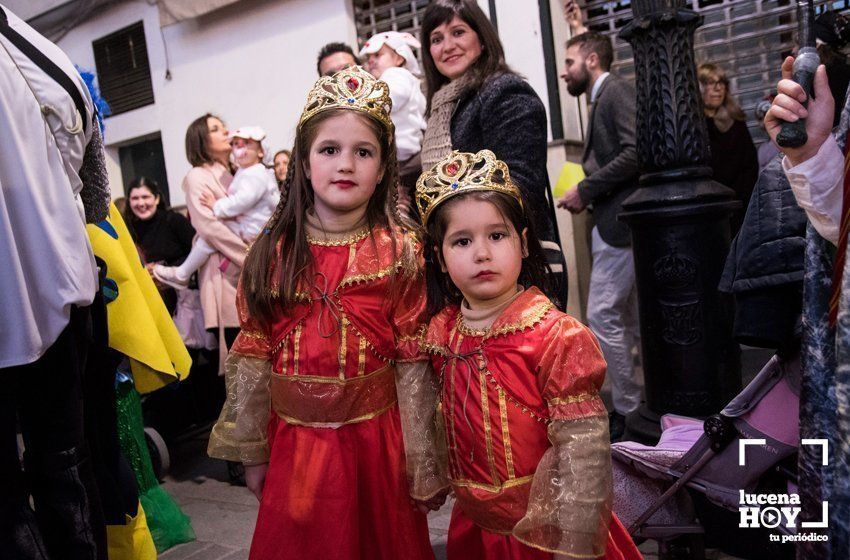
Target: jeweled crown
{"x":463,"y":172}
{"x":352,"y":88}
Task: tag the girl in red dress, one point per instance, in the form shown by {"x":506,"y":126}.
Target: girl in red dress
{"x":327,"y":369}
{"x":527,"y":434}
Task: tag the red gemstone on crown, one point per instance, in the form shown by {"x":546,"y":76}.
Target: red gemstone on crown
{"x":353,"y":84}
{"x":452,"y":168}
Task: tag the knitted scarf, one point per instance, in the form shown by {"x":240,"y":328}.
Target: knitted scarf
{"x":437,"y":142}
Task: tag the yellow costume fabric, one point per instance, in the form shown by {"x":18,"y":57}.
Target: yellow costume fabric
{"x":140,"y":326}
{"x":131,"y":541}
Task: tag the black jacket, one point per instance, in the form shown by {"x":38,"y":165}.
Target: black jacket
{"x":610,"y":159}
{"x":507,"y":117}
{"x":735,"y":163}
{"x":764,"y":269}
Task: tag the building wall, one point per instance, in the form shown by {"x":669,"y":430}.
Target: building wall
{"x":251,"y":63}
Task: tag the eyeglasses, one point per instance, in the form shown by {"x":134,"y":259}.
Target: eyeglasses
{"x":715,"y":83}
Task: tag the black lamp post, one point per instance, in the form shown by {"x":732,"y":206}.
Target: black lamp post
{"x":680,"y":228}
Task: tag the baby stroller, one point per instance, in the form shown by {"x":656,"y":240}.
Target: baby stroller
{"x":694,"y":473}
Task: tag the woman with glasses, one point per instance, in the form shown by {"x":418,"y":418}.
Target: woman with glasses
{"x":733,"y":155}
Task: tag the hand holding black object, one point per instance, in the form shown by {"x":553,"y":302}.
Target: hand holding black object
{"x":793,"y":134}
{"x":788,"y":107}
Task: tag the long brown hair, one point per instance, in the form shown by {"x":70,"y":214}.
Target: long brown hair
{"x":440,"y":288}
{"x":197,"y":141}
{"x":492,"y":59}
{"x":270,"y":280}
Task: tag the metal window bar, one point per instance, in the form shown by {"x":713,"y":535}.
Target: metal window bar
{"x":748,"y":38}
{"x":376,"y":16}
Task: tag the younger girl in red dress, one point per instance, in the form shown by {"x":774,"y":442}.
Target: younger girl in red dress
{"x":331,"y":305}
{"x":527,"y":434}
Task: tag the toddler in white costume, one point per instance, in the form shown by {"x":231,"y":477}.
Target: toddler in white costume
{"x":389,"y":57}
{"x":251,"y":198}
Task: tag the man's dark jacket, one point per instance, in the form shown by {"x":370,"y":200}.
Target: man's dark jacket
{"x":610,"y":159}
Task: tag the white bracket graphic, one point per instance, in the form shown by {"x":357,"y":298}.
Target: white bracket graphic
{"x":742,"y":448}
{"x":823,"y":443}
{"x":824,"y":519}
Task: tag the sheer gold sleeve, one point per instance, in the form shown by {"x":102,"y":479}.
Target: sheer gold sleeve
{"x":569,"y":508}
{"x":418,"y":394}
{"x":240,"y":434}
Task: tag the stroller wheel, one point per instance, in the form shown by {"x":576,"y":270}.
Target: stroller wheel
{"x":158,"y":451}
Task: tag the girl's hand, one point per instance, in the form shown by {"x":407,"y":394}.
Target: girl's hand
{"x":207,"y":199}
{"x":255,"y":478}
{"x":432,"y":504}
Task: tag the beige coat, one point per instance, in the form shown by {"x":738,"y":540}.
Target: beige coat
{"x":218,"y":289}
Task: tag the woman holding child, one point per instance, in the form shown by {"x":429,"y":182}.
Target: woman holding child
{"x":208,"y":150}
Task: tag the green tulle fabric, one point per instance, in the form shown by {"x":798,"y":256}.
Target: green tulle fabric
{"x":168,"y":524}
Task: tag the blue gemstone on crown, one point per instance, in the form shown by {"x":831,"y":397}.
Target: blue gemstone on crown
{"x":351,"y":100}
{"x":454,"y":186}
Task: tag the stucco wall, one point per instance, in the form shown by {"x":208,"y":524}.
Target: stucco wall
{"x":252,"y":63}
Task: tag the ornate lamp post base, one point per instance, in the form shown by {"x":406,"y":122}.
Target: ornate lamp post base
{"x":680,"y":228}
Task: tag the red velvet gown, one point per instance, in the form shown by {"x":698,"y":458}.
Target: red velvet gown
{"x":336,"y":487}
{"x":502,"y":388}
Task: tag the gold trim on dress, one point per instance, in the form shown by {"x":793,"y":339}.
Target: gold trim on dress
{"x":531,"y":318}
{"x":253,"y":334}
{"x":431,"y":348}
{"x":369,"y":416}
{"x":453,"y":449}
{"x":357,"y":278}
{"x":534,"y":316}
{"x":361,"y":356}
{"x":517,"y":403}
{"x":572,"y":399}
{"x":331,"y":380}
{"x":343,"y":343}
{"x":467,"y":330}
{"x":283,"y":351}
{"x":409,"y":338}
{"x":332,"y":241}
{"x":485,"y":413}
{"x":375,"y":350}
{"x":506,"y":433}
{"x":493,"y":487}
{"x":296,"y":347}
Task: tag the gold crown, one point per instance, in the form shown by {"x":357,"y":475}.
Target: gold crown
{"x":352,"y":88}
{"x":462,"y":172}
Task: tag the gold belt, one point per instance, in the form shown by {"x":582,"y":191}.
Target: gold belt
{"x":319,"y":401}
